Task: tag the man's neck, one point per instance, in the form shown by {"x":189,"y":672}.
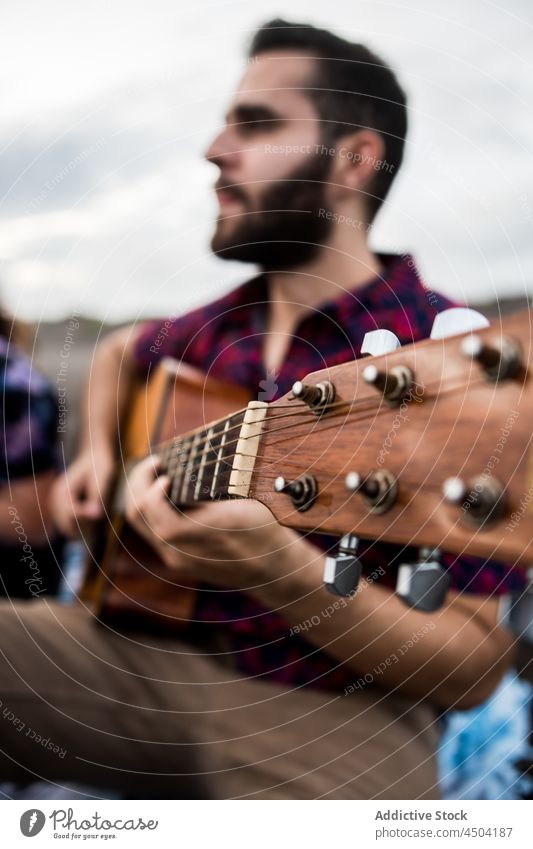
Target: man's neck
{"x":325,"y":279}
{"x":334,"y":271}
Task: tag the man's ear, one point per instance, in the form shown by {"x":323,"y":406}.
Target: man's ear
{"x":358,"y":158}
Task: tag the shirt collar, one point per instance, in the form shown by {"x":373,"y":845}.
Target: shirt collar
{"x":398,"y":283}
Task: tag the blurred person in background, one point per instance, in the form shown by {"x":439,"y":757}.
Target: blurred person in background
{"x":28,"y":467}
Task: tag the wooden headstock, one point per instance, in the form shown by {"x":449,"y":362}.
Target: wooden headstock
{"x":453,"y":453}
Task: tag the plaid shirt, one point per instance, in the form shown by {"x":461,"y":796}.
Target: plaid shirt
{"x":29,"y":410}
{"x":225,"y":338}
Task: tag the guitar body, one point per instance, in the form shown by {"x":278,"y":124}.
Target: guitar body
{"x":126,"y":583}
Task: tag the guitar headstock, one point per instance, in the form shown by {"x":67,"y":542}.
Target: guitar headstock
{"x":429,"y":445}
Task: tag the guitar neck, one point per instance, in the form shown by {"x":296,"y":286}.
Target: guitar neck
{"x":199,"y":463}
{"x":415,"y":448}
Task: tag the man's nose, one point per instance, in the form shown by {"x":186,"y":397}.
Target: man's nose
{"x":223,"y":149}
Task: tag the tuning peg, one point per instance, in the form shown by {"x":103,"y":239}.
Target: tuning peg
{"x":423,"y":585}
{"x":318,"y":398}
{"x":342,"y":571}
{"x":499,"y":360}
{"x":379,"y":489}
{"x":457,"y":320}
{"x":454,"y":490}
{"x":394,"y":384}
{"x":302,"y":491}
{"x":369,"y":486}
{"x":516,"y":611}
{"x":378,"y":342}
{"x":482,"y":498}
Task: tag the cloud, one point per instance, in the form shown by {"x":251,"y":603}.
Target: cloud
{"x":106,"y":202}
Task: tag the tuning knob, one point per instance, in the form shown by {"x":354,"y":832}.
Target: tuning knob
{"x":378,"y":342}
{"x":516,"y":611}
{"x":394,"y":385}
{"x":379,"y":489}
{"x":302,"y":491}
{"x":318,"y":398}
{"x":499,"y":361}
{"x":482,"y":498}
{"x":342,"y":571}
{"x":454,"y":490}
{"x":457,"y":320}
{"x":423,"y":585}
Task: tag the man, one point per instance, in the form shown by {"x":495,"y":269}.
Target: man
{"x":312,"y":141}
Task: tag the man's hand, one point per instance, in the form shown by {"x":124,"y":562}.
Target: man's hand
{"x":78,"y":496}
{"x":233,"y":544}
{"x":237,"y":544}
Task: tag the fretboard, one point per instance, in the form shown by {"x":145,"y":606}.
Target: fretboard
{"x":199,"y":463}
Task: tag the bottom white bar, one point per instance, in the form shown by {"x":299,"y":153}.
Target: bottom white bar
{"x":264,"y":824}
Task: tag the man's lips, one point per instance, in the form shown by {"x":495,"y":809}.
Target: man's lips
{"x":228,"y":198}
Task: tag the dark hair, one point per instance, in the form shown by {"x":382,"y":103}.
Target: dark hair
{"x":6,"y":324}
{"x":14,"y":330}
{"x":353,"y":88}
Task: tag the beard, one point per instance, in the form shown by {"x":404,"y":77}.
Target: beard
{"x":287,"y":230}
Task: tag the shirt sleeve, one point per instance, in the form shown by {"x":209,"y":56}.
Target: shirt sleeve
{"x":475,"y":575}
{"x":158,"y":338}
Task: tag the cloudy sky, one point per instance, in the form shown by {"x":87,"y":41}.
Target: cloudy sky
{"x":106,"y":204}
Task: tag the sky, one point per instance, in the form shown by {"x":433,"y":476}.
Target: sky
{"x":106,"y":203}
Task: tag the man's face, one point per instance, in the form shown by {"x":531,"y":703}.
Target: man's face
{"x":272,"y":179}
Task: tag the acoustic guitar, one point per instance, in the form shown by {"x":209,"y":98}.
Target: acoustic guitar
{"x":427,"y":445}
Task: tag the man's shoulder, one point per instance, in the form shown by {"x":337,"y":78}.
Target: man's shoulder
{"x":399,"y":300}
{"x":192,"y":334}
{"x":218,"y":310}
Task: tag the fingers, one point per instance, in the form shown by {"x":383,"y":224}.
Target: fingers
{"x":78,"y":495}
{"x":146,"y":493}
{"x":151,"y":514}
{"x":88,"y":497}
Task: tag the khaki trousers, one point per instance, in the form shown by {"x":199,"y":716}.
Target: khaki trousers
{"x":159,"y":718}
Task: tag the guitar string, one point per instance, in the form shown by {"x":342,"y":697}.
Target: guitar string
{"x":382,"y":408}
{"x":181,"y":440}
{"x":380,"y":411}
{"x":228,"y":466}
{"x":221,"y":460}
{"x":234,"y":442}
{"x":303,"y":410}
{"x":375,"y":403}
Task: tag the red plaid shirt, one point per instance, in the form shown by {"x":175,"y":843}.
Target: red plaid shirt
{"x":225,"y":338}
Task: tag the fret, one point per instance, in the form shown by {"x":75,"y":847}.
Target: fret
{"x":172,"y":462}
{"x":245,"y":451}
{"x":206,"y":460}
{"x":205,"y":451}
{"x":220,"y":453}
{"x":163,"y":455}
{"x":200,"y":464}
{"x":179,"y":464}
{"x":168,"y":457}
{"x":198,"y":461}
{"x":228,"y":454}
{"x":189,"y":467}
